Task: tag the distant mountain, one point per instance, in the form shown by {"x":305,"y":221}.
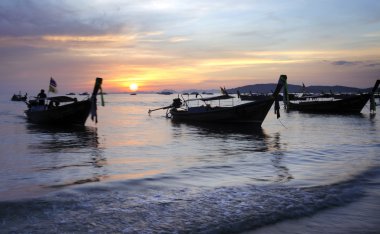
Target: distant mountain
{"x":200,"y":91}
{"x":267,"y":88}
{"x":335,"y":89}
{"x":167,"y":91}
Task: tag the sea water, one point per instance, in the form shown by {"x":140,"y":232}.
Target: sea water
{"x":138,"y":173}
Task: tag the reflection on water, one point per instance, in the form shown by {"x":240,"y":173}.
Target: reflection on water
{"x":58,"y":157}
{"x":237,"y":146}
{"x":127,"y":144}
{"x":137,"y":172}
{"x":283,"y":174}
{"x":255,"y":139}
{"x":67,"y":139}
{"x":222,"y":128}
{"x":53,"y":139}
{"x":372,"y":115}
{"x":221,"y":131}
{"x":330,"y":115}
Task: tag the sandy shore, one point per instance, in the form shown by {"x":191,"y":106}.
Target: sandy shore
{"x":362,"y":216}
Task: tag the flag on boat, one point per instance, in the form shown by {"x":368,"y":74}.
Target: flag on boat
{"x":52,"y":85}
{"x":223,"y":90}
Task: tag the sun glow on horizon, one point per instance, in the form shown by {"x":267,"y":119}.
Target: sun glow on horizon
{"x":133,"y":87}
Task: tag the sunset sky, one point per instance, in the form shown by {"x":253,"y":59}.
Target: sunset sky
{"x":183,"y":44}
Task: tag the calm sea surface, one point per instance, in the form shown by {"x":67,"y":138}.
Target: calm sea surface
{"x":135,"y":173}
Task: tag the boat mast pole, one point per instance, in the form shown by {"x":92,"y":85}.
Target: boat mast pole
{"x":372,"y":106}
{"x":376,"y":86}
{"x":98,"y":83}
{"x":280,"y":84}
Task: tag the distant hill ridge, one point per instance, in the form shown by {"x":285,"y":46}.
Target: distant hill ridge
{"x":267,"y":88}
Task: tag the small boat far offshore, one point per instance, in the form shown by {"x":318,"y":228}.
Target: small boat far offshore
{"x":71,"y":112}
{"x":19,"y":97}
{"x":251,"y":113}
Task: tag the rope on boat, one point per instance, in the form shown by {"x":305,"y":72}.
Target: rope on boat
{"x":372,"y":103}
{"x":168,"y":114}
{"x":282,"y":123}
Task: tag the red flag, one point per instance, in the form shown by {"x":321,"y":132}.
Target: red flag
{"x":52,"y":85}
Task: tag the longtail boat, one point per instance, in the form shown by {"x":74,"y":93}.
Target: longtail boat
{"x":252,"y":113}
{"x":352,"y":104}
{"x":63,"y":110}
{"x":19,"y":97}
{"x":251,"y":96}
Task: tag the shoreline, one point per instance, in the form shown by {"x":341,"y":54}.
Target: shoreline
{"x":361,"y":216}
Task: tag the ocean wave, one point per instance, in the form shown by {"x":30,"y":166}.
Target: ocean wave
{"x":118,"y":207}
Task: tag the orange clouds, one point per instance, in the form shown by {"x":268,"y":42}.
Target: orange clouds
{"x":178,"y":45}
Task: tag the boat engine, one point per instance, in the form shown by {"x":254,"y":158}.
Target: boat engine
{"x":177,"y":103}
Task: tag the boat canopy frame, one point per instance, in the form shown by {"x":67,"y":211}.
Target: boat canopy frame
{"x":205,"y":100}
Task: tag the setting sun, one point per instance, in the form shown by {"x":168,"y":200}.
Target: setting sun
{"x":133,"y":87}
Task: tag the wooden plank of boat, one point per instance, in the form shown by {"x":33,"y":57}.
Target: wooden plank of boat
{"x":221,"y":97}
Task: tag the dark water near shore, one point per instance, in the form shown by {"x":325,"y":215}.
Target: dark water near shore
{"x":135,"y":173}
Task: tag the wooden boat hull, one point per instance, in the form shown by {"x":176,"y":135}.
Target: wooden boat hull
{"x":71,"y":114}
{"x":353,"y":104}
{"x":252,"y":97}
{"x":252,"y":113}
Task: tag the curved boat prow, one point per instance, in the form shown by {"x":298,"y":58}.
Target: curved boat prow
{"x":376,"y":86}
{"x":372,"y":105}
{"x":97,"y":87}
{"x":280,"y":84}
